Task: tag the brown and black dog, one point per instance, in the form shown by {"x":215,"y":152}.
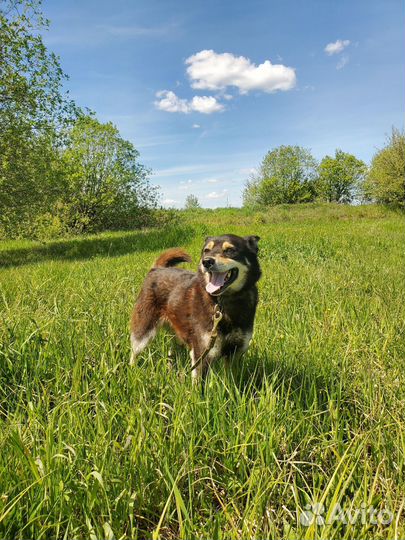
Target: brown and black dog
{"x":227,"y":275}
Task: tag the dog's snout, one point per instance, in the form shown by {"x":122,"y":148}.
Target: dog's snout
{"x":208,"y":262}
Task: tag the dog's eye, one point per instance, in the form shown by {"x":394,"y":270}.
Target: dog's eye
{"x":229,"y":252}
{"x":206,"y":250}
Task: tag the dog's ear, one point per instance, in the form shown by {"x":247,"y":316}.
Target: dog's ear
{"x":252,"y":243}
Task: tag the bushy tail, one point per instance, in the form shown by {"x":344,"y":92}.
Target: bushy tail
{"x":171,"y":257}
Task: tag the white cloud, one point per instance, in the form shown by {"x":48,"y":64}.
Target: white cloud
{"x":212,"y":71}
{"x":205,"y":104}
{"x":168,"y":101}
{"x":342,"y":62}
{"x":212,"y":180}
{"x":169,"y":202}
{"x":196,"y":126}
{"x":217,"y":194}
{"x":336,"y":47}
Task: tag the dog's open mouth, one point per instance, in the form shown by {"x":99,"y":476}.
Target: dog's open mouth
{"x":219,"y":281}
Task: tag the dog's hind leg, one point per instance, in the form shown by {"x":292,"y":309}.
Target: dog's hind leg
{"x":138,"y":343}
{"x":144,"y":325}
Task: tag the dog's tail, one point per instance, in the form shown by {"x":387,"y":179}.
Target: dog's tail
{"x":171,"y":257}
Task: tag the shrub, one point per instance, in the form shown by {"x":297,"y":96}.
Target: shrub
{"x":286,"y":176}
{"x":340,"y":178}
{"x":386,"y":178}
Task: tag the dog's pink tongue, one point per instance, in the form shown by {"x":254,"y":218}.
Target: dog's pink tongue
{"x":216,"y":282}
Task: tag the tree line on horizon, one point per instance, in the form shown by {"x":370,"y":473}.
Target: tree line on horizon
{"x":62,"y":171}
{"x":290,"y":175}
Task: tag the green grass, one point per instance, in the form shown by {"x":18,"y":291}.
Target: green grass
{"x":315,"y":413}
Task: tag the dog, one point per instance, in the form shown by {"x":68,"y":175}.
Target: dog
{"x":226,"y":282}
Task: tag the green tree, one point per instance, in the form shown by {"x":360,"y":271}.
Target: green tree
{"x":385,"y":182}
{"x":340,"y":177}
{"x":286,"y":175}
{"x":32,"y":108}
{"x":191,"y":203}
{"x":29,"y":182}
{"x":30,"y":75}
{"x":105,"y":186}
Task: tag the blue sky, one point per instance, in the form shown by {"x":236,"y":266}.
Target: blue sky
{"x":205,"y":88}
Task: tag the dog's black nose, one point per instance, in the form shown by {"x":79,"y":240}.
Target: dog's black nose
{"x":208,"y":262}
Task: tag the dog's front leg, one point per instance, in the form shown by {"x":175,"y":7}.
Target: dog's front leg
{"x":209,"y":351}
{"x":197,"y":371}
{"x":199,"y":356}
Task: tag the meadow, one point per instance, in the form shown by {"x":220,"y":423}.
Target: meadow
{"x":311,"y":424}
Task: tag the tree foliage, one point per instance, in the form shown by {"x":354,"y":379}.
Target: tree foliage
{"x":340,"y":178}
{"x":105,"y":186}
{"x":191,"y":203}
{"x":32,"y":109}
{"x":286,"y":175}
{"x":386,"y":178}
{"x":29,"y":183}
{"x":31,"y":77}
{"x":59,"y":168}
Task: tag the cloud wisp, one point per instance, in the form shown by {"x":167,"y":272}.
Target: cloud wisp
{"x":342,"y":62}
{"x":134,"y":30}
{"x":168,"y":101}
{"x":170,"y":202}
{"x":217,"y":194}
{"x":337,"y":46}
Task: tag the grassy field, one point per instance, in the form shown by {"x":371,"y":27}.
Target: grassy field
{"x":312,"y":420}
